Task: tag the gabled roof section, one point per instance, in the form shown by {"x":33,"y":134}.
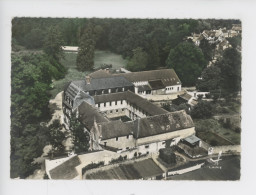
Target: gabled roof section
{"x":144,"y":88}
{"x":156,"y":84}
{"x":88,"y":113}
{"x":72,"y":90}
{"x":107,"y":83}
{"x":164,"y":123}
{"x":168,"y":76}
{"x":115,"y":129}
{"x":136,"y":170}
{"x":66,"y":170}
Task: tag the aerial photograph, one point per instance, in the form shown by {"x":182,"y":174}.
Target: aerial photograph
{"x":125,"y":99}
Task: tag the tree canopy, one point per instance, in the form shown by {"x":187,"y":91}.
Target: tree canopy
{"x":138,"y":61}
{"x":31,"y":76}
{"x":53,"y":43}
{"x":188,"y":62}
{"x":80,"y":137}
{"x":224,"y":75}
{"x":85,"y":56}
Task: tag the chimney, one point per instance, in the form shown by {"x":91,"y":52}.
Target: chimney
{"x":88,"y":79}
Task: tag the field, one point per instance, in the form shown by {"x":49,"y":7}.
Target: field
{"x":212,"y":138}
{"x":69,"y":62}
{"x":228,"y":169}
{"x":213,"y":125}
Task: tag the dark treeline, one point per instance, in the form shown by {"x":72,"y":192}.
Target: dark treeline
{"x":118,"y":35}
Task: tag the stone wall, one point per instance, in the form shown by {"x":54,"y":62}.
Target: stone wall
{"x":186,"y":170}
{"x":225,"y":149}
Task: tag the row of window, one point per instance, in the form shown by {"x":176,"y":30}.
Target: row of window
{"x":110,"y":104}
{"x":127,"y":137}
{"x":112,"y":111}
{"x":107,"y":91}
{"x":169,"y":88}
{"x":147,"y":92}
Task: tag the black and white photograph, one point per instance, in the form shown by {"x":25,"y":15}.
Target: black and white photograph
{"x":110,"y":98}
{"x":125,"y":99}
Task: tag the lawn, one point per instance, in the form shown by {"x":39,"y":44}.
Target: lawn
{"x":107,"y":57}
{"x":69,"y":62}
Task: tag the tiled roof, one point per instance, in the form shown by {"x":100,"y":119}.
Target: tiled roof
{"x":66,"y":170}
{"x":115,"y":129}
{"x":148,"y":126}
{"x":136,"y":170}
{"x":107,"y":83}
{"x":168,"y":76}
{"x":156,"y":84}
{"x":164,"y":123}
{"x":101,"y":83}
{"x":88,"y":113}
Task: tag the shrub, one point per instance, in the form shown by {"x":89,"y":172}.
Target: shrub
{"x":119,"y":159}
{"x":92,"y":166}
{"x":208,"y":96}
{"x":167,"y":155}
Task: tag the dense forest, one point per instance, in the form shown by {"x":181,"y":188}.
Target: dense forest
{"x":147,"y":44}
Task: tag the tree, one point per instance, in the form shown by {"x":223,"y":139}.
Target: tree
{"x":85,"y":56}
{"x":34,"y":39}
{"x":202,"y":110}
{"x":210,"y":79}
{"x":153,"y":55}
{"x":56,"y":136}
{"x":53,"y":43}
{"x":31,"y":76}
{"x":235,"y":41}
{"x":80,"y":137}
{"x":230,"y":66}
{"x":167,"y":155}
{"x":207,"y":49}
{"x":26,"y":148}
{"x":138,"y":61}
{"x":188,"y":62}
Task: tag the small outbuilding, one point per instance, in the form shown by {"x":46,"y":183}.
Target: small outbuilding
{"x":192,"y":141}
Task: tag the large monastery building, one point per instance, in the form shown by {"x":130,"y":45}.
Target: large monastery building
{"x":101,"y":101}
